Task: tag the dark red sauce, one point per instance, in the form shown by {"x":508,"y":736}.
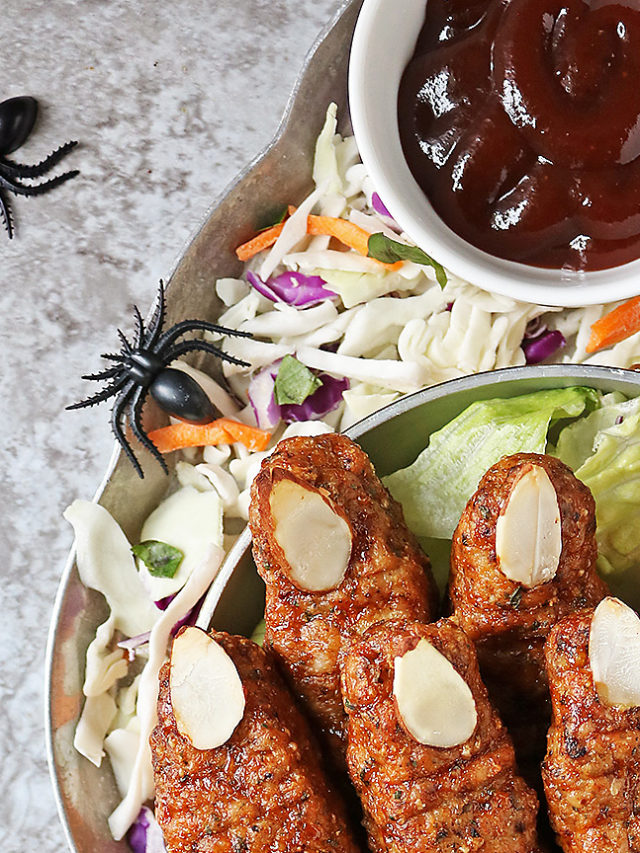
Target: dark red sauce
{"x":520,"y":120}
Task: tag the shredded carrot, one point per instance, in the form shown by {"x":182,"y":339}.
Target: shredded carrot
{"x":221,"y":431}
{"x":347,"y":232}
{"x":252,"y":437}
{"x":264,"y":240}
{"x":615,"y":326}
{"x":331,"y":226}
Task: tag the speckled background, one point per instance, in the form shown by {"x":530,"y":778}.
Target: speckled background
{"x":169,"y":101}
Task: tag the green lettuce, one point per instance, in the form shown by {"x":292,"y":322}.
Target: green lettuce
{"x":604,"y":451}
{"x":434,"y":490}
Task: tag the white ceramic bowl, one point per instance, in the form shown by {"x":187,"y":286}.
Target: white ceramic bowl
{"x":384,"y":40}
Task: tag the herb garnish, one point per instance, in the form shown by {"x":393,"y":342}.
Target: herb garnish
{"x":384,"y":249}
{"x":294,"y":382}
{"x":161,"y":559}
{"x":274,"y":217}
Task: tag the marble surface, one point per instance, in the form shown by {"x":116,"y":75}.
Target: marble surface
{"x":168,"y":101}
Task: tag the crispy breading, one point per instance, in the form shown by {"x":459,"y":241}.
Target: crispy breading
{"x":424,"y":798}
{"x":388,"y":575}
{"x":591,"y":771}
{"x":508,"y":622}
{"x":263,"y":789}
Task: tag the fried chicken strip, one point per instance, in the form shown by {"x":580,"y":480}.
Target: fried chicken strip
{"x":387,"y":575}
{"x":509,"y":621}
{"x":262,"y":790}
{"x":591,"y":771}
{"x":425,"y":798}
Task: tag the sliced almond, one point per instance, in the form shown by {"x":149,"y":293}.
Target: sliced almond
{"x":434,"y":702}
{"x":614,"y":653}
{"x":206,"y":691}
{"x":316,"y":541}
{"x":529,"y":531}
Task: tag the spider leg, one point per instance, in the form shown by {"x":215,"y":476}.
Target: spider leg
{"x":204,"y":346}
{"x":174,"y":332}
{"x":5,"y":213}
{"x":20,"y":170}
{"x":117,"y":413}
{"x":104,"y":374}
{"x":125,"y":343}
{"x":135,"y":418}
{"x":120,"y":385}
{"x":14,"y":185}
{"x":139,"y":334}
{"x":157,"y":321}
{"x":113,"y":356}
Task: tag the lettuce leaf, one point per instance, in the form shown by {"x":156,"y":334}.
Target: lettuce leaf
{"x":604,"y":450}
{"x":434,"y":490}
{"x":578,"y":441}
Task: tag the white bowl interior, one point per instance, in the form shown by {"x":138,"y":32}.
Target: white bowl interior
{"x":384,"y":41}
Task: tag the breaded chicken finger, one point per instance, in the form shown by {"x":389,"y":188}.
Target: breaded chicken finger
{"x":260,"y":787}
{"x":336,"y":556}
{"x":433,"y":764}
{"x":592,"y":769}
{"x":523,"y":557}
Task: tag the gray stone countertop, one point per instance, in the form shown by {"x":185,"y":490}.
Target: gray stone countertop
{"x":169,"y":101}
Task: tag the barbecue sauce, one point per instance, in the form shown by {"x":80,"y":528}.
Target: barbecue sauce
{"x":520,"y":120}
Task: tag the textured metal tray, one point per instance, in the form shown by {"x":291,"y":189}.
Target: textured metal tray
{"x":85,"y":794}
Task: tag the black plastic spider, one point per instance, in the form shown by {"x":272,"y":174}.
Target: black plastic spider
{"x":142,"y":367}
{"x":17,"y":117}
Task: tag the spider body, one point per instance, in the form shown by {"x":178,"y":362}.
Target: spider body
{"x":180,"y":395}
{"x":141,"y":368}
{"x":17,"y":118}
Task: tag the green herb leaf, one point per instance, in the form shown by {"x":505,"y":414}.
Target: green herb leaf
{"x":161,"y":559}
{"x":294,"y":382}
{"x":384,"y":249}
{"x":274,"y":217}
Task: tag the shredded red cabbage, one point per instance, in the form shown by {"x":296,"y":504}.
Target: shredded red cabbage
{"x":542,"y":346}
{"x":294,"y":288}
{"x":320,"y":403}
{"x":188,"y":619}
{"x":137,"y":835}
{"x":378,"y":205}
{"x":268,"y":413}
{"x":133,"y":643}
{"x":145,"y":835}
{"x":535,"y":328}
{"x":262,"y":399}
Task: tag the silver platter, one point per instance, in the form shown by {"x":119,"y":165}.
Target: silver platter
{"x":86,"y":795}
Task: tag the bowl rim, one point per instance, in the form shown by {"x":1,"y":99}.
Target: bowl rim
{"x":374,"y":119}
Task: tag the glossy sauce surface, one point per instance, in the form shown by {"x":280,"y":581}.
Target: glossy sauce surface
{"x":520,"y":120}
